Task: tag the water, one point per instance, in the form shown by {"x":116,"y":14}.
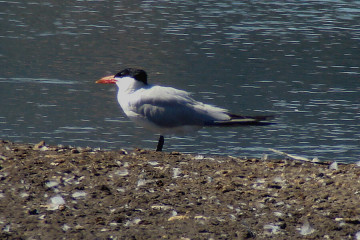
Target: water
{"x":298,"y":60}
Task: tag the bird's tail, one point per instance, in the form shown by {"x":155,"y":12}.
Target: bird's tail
{"x":237,"y":120}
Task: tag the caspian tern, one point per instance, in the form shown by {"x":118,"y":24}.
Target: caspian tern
{"x":167,"y":110}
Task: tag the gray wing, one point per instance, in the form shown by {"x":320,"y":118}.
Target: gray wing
{"x":173,"y":108}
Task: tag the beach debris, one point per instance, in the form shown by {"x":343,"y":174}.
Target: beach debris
{"x":178,"y":217}
{"x":271,"y":229}
{"x":23,"y":195}
{"x":65,"y":227}
{"x":357,"y":236}
{"x":278,"y":214}
{"x":315,"y":160}
{"x":39,"y":145}
{"x":6,"y":228}
{"x":55,"y":202}
{"x":153,"y":163}
{"x":278,"y":179}
{"x":161,"y":207}
{"x":133,"y":222}
{"x":264,"y":157}
{"x":176,"y":172}
{"x":333,"y":166}
{"x":79,"y":194}
{"x":292,"y":156}
{"x":306,"y":228}
{"x":51,"y":184}
{"x":199,"y":157}
{"x":79,"y":227}
{"x":201,"y":218}
{"x":122,"y":172}
{"x":141,"y":182}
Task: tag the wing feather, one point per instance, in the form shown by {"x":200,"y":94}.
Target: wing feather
{"x":173,"y":108}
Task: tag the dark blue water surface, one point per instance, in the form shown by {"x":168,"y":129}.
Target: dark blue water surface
{"x":299,"y":60}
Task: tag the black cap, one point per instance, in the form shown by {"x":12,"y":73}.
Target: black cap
{"x":137,"y":74}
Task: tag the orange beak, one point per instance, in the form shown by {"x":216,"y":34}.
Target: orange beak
{"x":107,"y":80}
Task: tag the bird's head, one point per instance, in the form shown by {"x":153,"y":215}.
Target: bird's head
{"x":136,"y":74}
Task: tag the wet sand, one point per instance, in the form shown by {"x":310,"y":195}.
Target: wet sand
{"x":59,"y":192}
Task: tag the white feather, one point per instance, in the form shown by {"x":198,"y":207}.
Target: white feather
{"x":165,"y":110}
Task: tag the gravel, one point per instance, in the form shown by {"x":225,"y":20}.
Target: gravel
{"x":62,"y":192}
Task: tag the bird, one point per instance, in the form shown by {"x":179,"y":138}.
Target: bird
{"x":170,"y":111}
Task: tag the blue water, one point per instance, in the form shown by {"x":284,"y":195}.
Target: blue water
{"x":297,"y":60}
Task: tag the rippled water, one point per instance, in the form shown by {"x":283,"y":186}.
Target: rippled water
{"x":298,"y":60}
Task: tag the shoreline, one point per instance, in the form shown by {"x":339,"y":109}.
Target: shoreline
{"x":51,"y":191}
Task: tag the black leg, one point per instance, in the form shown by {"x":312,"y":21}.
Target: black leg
{"x":160,"y":144}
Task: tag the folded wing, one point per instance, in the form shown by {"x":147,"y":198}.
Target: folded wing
{"x":174,"y":108}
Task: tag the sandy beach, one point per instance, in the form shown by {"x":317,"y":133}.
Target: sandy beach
{"x":60,"y":192}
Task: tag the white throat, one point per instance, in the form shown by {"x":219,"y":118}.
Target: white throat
{"x":128,"y":85}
